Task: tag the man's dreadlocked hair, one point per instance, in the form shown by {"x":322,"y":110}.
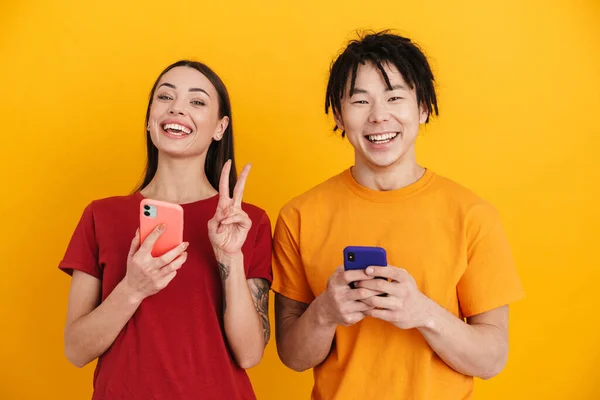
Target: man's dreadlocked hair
{"x":381,"y":48}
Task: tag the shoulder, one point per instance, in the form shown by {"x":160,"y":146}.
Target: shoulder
{"x":316,"y":197}
{"x":457,"y":194}
{"x":114,"y":202}
{"x":256,"y":213}
{"x":471,"y":207}
{"x":110,"y":209}
{"x":455,"y":190}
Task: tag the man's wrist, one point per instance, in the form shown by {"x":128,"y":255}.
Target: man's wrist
{"x":321,"y":315}
{"x":428,"y":316}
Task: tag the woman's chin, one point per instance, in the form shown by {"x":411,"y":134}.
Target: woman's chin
{"x":179,"y":151}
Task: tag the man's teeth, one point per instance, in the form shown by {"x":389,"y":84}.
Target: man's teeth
{"x":383,"y":138}
{"x":176,"y":129}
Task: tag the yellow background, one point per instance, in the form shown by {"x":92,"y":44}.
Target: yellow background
{"x":519,"y":92}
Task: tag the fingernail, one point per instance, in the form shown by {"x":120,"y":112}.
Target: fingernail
{"x":185,"y":245}
{"x":161,"y":227}
{"x":369,"y":270}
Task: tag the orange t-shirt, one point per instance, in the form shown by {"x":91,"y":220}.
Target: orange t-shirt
{"x":452,"y":243}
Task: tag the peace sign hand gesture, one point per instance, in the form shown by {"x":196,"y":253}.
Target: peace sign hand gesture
{"x":228,"y":229}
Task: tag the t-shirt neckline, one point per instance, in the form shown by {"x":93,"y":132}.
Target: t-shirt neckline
{"x":139,"y":196}
{"x":386,"y":196}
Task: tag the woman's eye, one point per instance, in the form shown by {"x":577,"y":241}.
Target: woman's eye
{"x":360,"y":102}
{"x":197,"y":102}
{"x":395,"y":98}
{"x":164,"y":97}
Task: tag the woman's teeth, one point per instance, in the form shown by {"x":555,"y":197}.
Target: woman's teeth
{"x":383,"y":138}
{"x":177,"y":129}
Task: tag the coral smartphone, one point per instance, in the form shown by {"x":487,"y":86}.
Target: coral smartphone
{"x":360,"y":257}
{"x":154,"y":213}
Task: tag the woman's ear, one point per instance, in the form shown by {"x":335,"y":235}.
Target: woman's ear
{"x":221,"y":128}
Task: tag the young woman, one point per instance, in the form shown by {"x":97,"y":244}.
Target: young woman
{"x":186,"y":324}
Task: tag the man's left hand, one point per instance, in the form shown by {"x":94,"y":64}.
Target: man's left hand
{"x":404,"y":306}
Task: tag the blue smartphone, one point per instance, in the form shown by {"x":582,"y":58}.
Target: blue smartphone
{"x":360,"y":257}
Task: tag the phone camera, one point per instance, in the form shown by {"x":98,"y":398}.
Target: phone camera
{"x":350,"y":256}
{"x":147,"y":213}
{"x":146,"y":207}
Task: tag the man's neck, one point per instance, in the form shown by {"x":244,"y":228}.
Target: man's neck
{"x":179,"y":181}
{"x":398,"y":175}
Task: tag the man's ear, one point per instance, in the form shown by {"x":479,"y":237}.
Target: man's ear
{"x":423,"y":114}
{"x":338,"y":121}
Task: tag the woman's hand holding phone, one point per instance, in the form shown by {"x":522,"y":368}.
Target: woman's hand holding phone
{"x":147,"y":275}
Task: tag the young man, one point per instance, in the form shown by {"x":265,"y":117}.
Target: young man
{"x":443,"y":318}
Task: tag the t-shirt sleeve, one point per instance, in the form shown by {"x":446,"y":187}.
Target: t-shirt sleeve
{"x":289,"y":275}
{"x":260,"y":264}
{"x":490,"y":279}
{"x":82,"y":251}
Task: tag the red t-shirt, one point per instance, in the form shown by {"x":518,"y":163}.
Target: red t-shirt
{"x":174,"y":346}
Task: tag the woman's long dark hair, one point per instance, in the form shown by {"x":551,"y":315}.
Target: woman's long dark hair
{"x":218,"y":152}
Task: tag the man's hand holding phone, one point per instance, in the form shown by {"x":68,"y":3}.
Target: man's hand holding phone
{"x":404,"y":306}
{"x":340,"y":304}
